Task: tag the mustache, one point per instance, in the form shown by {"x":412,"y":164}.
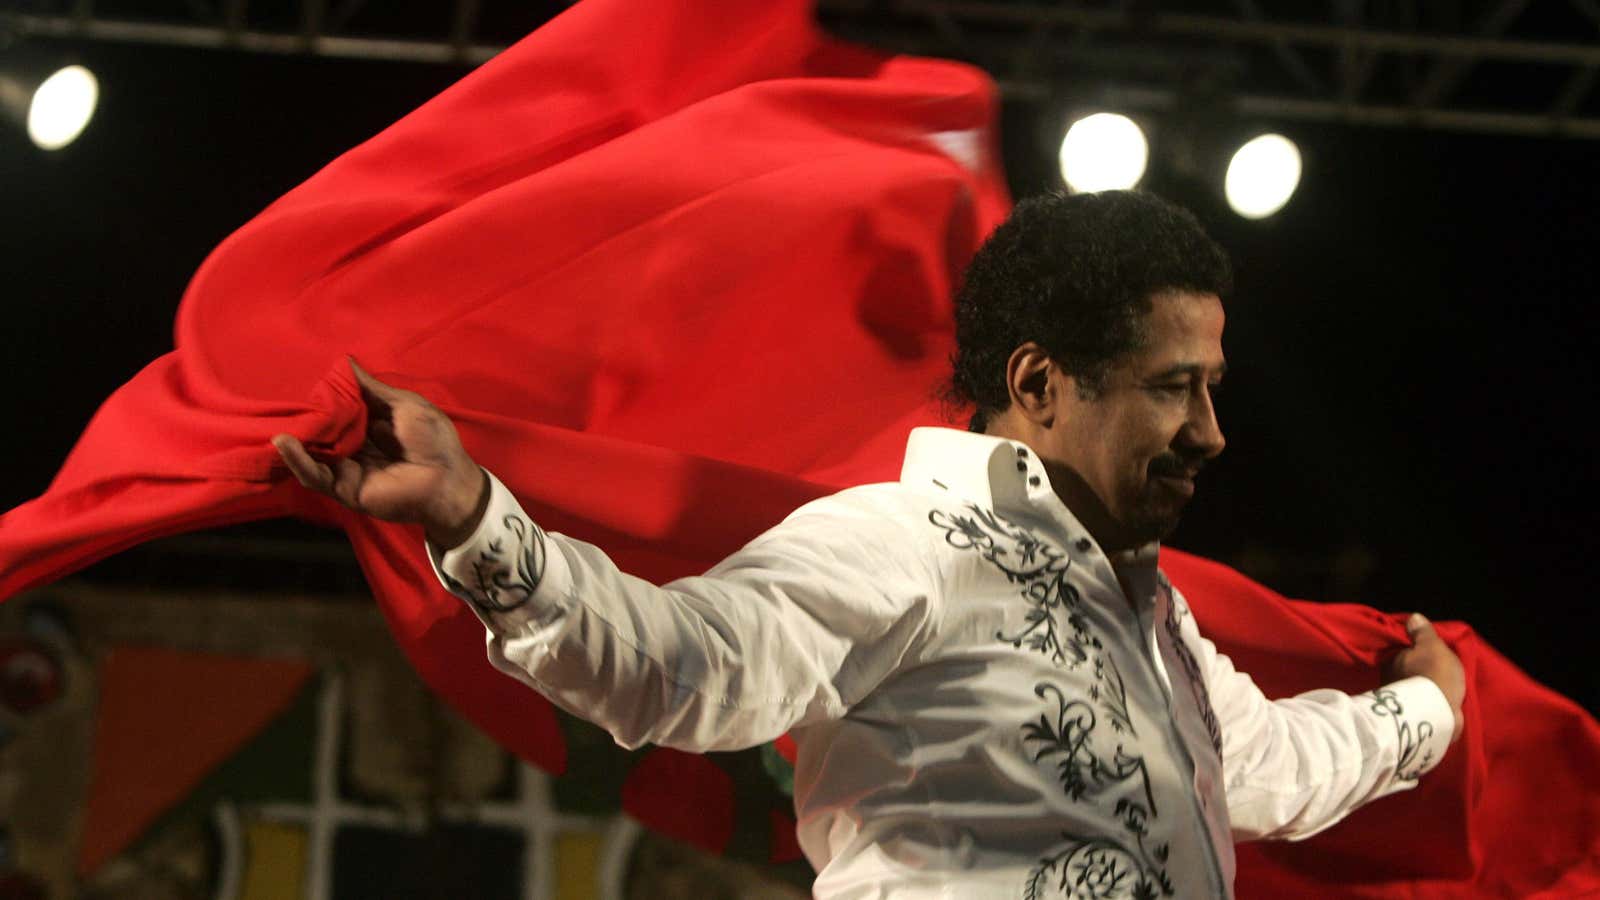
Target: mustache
{"x":1176,"y":465}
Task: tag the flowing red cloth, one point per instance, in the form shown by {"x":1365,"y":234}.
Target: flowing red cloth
{"x":673,"y":275}
{"x":1512,"y":811}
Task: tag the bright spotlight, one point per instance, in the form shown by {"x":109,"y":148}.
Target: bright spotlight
{"x":1262,"y":176}
{"x":62,"y":107}
{"x":1103,"y":152}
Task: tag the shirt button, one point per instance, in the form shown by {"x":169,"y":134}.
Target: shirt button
{"x":1022,"y":467}
{"x":1022,"y":452}
{"x":1033,"y":480}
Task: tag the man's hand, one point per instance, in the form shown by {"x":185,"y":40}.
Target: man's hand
{"x":412,"y":467}
{"x":1429,"y":655}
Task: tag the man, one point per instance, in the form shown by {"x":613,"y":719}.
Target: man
{"x":994,"y":690}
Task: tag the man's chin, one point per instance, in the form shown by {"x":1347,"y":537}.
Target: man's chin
{"x":1154,"y":525}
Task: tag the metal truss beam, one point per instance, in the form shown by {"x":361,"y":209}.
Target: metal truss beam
{"x":220,"y":37}
{"x":1256,"y":31}
{"x":1137,"y":52}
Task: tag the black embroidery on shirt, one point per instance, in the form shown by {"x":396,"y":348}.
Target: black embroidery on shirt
{"x":1082,"y":773}
{"x":1041,"y":568}
{"x":1112,"y":694}
{"x":1055,"y":625}
{"x":1095,"y":869}
{"x":1385,"y":702}
{"x":1191,"y":667}
{"x":1101,"y":866}
{"x":504,"y":581}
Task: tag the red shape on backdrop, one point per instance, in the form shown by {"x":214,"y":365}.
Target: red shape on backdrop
{"x":674,"y":275}
{"x":684,"y":796}
{"x":785,"y":842}
{"x":166,"y":720}
{"x":787,"y":748}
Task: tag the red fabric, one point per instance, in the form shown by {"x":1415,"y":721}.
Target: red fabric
{"x":1512,"y":811}
{"x":785,"y":842}
{"x":673,"y":275}
{"x":550,"y":250}
{"x":682,"y":796}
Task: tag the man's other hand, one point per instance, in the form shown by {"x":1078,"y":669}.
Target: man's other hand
{"x":412,"y":467}
{"x":1429,"y":655}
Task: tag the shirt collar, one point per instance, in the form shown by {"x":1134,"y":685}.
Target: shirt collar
{"x":1000,"y":474}
{"x":989,"y":471}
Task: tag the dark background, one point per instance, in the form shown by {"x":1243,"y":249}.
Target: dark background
{"x":1411,"y":346}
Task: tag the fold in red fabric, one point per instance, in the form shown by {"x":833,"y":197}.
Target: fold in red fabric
{"x":673,"y":275}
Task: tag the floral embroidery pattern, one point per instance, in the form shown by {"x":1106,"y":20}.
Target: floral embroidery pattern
{"x":1191,"y":667}
{"x":1095,"y":869}
{"x":1098,"y":867}
{"x":1055,"y":626}
{"x":1112,"y":694}
{"x":1081,"y":772}
{"x":1408,"y":767}
{"x":504,"y":581}
{"x":1041,"y":569}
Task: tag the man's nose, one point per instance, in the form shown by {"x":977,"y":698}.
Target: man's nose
{"x":1201,"y":431}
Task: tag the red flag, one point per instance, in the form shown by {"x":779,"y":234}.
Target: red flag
{"x":672,"y":276}
{"x":1512,"y":811}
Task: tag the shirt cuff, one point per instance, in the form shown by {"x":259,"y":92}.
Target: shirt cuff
{"x":1422,"y":723}
{"x":505,"y":566}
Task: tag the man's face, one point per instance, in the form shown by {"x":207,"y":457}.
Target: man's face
{"x":1138,"y":443}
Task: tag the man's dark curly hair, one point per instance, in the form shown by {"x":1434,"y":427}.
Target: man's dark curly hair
{"x":1075,"y":274}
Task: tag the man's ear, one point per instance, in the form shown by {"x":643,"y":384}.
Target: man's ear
{"x":1033,"y":378}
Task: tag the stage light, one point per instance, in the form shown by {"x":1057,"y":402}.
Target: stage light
{"x":61,"y":107}
{"x":1103,"y":152}
{"x":51,"y":102}
{"x":1262,"y":176}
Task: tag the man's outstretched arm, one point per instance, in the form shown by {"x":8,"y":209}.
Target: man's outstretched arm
{"x":1296,"y":765}
{"x":794,"y":628}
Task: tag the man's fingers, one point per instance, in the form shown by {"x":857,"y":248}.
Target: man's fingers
{"x":342,"y":480}
{"x":346,"y":478}
{"x":384,"y":393}
{"x":306,"y":470}
{"x":1418,"y":626}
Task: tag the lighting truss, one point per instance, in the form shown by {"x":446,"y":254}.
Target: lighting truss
{"x":1486,"y":66}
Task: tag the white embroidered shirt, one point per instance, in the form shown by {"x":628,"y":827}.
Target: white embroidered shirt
{"x":981,"y":709}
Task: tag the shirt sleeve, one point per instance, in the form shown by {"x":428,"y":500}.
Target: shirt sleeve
{"x":794,"y":628}
{"x":1297,"y":765}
